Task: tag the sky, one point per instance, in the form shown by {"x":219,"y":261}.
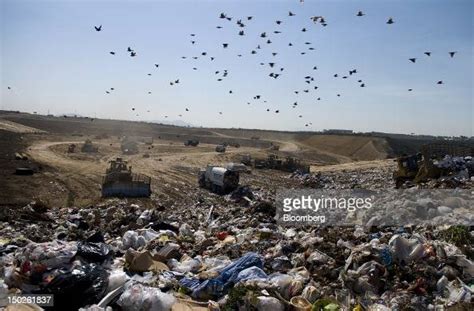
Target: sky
{"x":54,"y":61}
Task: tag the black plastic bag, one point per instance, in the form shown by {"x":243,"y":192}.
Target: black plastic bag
{"x":84,"y":285}
{"x":94,"y":252}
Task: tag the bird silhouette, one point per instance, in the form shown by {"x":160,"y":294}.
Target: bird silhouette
{"x":440,"y":82}
{"x":360,"y":13}
{"x":225,"y":45}
{"x":157,"y":65}
{"x":412,"y":60}
{"x":428,"y":53}
{"x":133,"y":54}
{"x":98,"y":28}
{"x":278,"y":22}
{"x":111,"y":52}
{"x":303,"y":30}
{"x":129,"y":49}
{"x":291,"y":13}
{"x":9,"y":87}
{"x":390,"y":21}
{"x":241,"y":33}
{"x":249,"y":18}
{"x":452,"y":54}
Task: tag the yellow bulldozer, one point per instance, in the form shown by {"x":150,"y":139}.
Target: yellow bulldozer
{"x":420,"y":167}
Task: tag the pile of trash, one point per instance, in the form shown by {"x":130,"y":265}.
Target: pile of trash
{"x":374,"y":178}
{"x":122,"y":256}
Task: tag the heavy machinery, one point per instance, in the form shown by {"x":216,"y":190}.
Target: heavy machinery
{"x":119,"y":181}
{"x":220,"y":148}
{"x":88,"y":147}
{"x":246,"y":159}
{"x":420,"y":167}
{"x":218,"y":179}
{"x":290,"y":164}
{"x":191,"y":142}
{"x":71,"y":148}
{"x":293,"y":164}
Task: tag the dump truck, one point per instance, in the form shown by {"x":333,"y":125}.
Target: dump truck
{"x":119,"y":181}
{"x":88,"y":147}
{"x":218,"y":179}
{"x":220,"y":148}
{"x":420,"y":167}
{"x":191,"y":142}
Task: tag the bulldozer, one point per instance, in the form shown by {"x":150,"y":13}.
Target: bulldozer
{"x":221,"y":148}
{"x":420,"y":167}
{"x":191,"y":142}
{"x":71,"y":148}
{"x":290,"y":164}
{"x":119,"y":181}
{"x":246,"y":159}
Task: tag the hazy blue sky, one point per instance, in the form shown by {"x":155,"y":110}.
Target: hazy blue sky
{"x":53,"y":59}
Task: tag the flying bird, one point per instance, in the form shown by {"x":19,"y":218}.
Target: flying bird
{"x":291,"y":13}
{"x":360,"y":13}
{"x":113,"y":53}
{"x":452,"y":54}
{"x":278,"y":22}
{"x":129,"y":49}
{"x":157,"y":65}
{"x":428,"y":53}
{"x":225,"y":45}
{"x":98,"y":28}
{"x":439,"y":82}
{"x":412,"y":60}
{"x":390,"y":21}
{"x":133,"y":54}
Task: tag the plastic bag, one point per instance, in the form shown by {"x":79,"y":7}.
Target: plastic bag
{"x":144,"y":298}
{"x":94,"y":252}
{"x":252,"y":273}
{"x":265,"y":303}
{"x":83,"y":285}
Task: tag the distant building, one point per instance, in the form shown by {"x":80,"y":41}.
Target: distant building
{"x":338,"y":131}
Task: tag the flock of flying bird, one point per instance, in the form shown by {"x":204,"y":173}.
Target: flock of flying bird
{"x":276,"y":71}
